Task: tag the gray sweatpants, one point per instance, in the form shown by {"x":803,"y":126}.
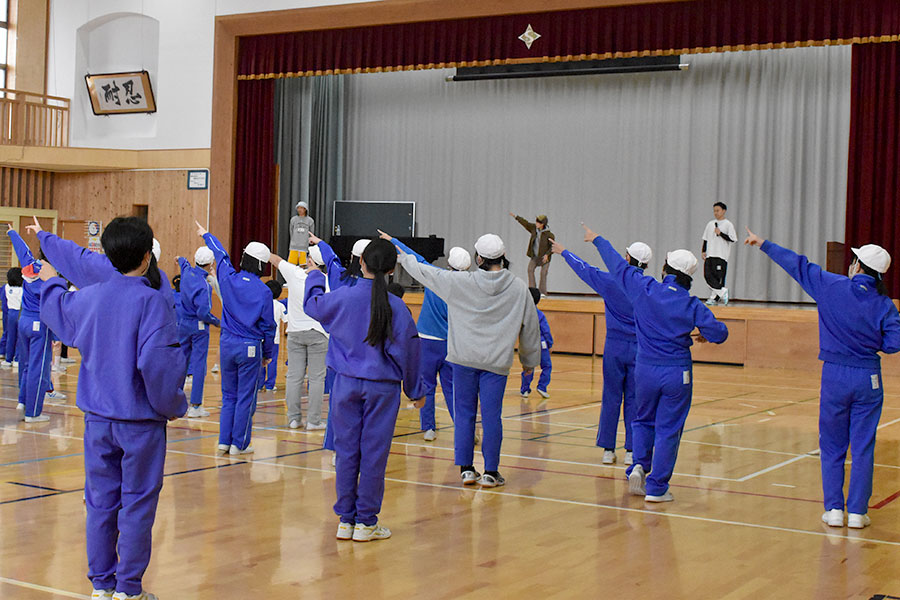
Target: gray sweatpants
{"x":306,"y":352}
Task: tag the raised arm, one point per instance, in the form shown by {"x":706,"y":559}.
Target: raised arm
{"x":332,"y":264}
{"x":629,"y":278}
{"x":80,"y":266}
{"x":811,"y":277}
{"x":599,"y":281}
{"x":404,"y":248}
{"x":20,"y":247}
{"x":316,"y":303}
{"x":528,"y":225}
{"x":439,"y":281}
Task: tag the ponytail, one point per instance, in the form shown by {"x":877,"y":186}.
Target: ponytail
{"x":380,"y":257}
{"x":878,"y":277}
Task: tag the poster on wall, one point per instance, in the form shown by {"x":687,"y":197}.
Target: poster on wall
{"x":121,"y":93}
{"x":92,"y":229}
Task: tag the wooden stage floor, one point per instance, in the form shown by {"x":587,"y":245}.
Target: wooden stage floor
{"x":745,"y":523}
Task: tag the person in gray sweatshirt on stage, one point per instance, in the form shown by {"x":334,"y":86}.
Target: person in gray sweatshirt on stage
{"x":487,"y":310}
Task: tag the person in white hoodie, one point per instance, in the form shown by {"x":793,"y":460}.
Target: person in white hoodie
{"x":487,"y":310}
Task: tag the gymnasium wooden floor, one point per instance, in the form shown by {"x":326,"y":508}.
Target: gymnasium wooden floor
{"x":745,"y":523}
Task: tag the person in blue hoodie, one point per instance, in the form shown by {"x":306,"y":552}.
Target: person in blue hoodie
{"x":432,"y":327}
{"x":12,"y":296}
{"x":665,"y":314}
{"x":247,"y":341}
{"x":83,"y":267}
{"x":371,"y":358}
{"x":128,"y":386}
{"x":194,"y":322}
{"x":546,"y":359}
{"x":857,"y":320}
{"x":619,"y":348}
{"x":34,"y":344}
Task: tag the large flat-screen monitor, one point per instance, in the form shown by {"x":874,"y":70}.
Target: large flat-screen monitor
{"x":362,"y":218}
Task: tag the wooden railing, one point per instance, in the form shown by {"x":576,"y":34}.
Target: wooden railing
{"x":28,"y":119}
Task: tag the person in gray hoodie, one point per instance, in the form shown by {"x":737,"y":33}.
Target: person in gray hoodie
{"x":487,"y":310}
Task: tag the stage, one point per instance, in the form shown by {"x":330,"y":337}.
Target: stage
{"x":759,"y":335}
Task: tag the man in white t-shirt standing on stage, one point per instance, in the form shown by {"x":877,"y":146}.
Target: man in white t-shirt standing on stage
{"x":718,"y":238}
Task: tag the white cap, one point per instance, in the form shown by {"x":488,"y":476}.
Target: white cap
{"x":490,"y":246}
{"x":640,"y":252}
{"x":203,"y":256}
{"x":359,"y":247}
{"x":316,"y":255}
{"x":682,"y":260}
{"x":304,"y":205}
{"x":874,"y":257}
{"x":157,"y":251}
{"x":459,"y":259}
{"x":258,"y":250}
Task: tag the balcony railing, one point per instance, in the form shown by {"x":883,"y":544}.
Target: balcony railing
{"x":28,"y":119}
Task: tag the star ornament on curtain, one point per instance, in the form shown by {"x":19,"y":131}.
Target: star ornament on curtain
{"x":529,"y":37}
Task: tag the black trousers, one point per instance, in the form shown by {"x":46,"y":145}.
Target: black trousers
{"x":714,"y":270}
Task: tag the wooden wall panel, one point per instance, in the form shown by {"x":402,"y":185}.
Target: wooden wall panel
{"x":26,"y":188}
{"x":172,"y":208}
{"x":572,"y":332}
{"x":780,"y":344}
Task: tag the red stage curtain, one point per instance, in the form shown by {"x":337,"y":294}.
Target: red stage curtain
{"x":254,"y":176}
{"x":873,"y":182}
{"x":667,"y":28}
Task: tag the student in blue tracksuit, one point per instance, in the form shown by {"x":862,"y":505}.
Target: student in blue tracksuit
{"x":665,"y":314}
{"x":619,"y":348}
{"x":34,"y":345}
{"x":546,"y":359}
{"x":83,"y":267}
{"x":194,"y":322}
{"x":129,"y":385}
{"x":371,"y":358}
{"x":338,"y":277}
{"x":247,"y":340}
{"x":857,"y":320}
{"x":432,"y":327}
{"x":12,"y":295}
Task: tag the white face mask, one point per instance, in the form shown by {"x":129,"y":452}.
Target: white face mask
{"x":853,"y":269}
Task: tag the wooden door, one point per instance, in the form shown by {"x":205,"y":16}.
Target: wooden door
{"x":30,"y":238}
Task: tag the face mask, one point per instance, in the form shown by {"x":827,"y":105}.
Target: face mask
{"x":851,"y":271}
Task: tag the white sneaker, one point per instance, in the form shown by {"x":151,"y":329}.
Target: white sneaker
{"x":636,"y":481}
{"x":315,"y":426}
{"x":543,"y":393}
{"x":274,"y":388}
{"x":223,"y":448}
{"x":833,"y":517}
{"x":67,"y":361}
{"x":60,"y":369}
{"x":629,"y":458}
{"x":470,"y":477}
{"x":15,"y":364}
{"x":430,"y":435}
{"x":370,"y":533}
{"x":295,"y":424}
{"x":857,"y":521}
{"x":203,"y":412}
{"x":667,"y":497}
{"x":102,"y":594}
{"x":56,"y":395}
{"x":334,"y":459}
{"x":345,"y":531}
{"x":141,"y":596}
{"x":725,"y":297}
{"x":20,"y":411}
{"x":711,"y":302}
{"x":490,"y":481}
{"x":234,"y":450}
{"x":526,"y":394}
{"x":6,"y":364}
{"x":37,"y":419}
{"x":609,"y":457}
{"x":196,"y":412}
{"x":215,"y":368}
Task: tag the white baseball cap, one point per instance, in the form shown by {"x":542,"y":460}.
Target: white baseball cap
{"x":459,"y":259}
{"x":304,"y":205}
{"x":490,"y":246}
{"x":640,"y":252}
{"x":157,"y":250}
{"x":316,"y":255}
{"x":874,"y":257}
{"x":682,"y":260}
{"x":359,"y":247}
{"x":258,"y":250}
{"x":203,"y":256}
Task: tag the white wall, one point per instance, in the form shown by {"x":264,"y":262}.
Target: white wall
{"x":184,"y":67}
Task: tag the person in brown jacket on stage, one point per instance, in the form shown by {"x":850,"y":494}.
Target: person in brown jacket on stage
{"x":539,"y":250}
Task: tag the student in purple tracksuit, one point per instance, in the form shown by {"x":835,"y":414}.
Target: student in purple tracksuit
{"x":34,"y":345}
{"x":246,"y":345}
{"x":619,"y":348}
{"x":129,"y":385}
{"x":194,"y":321}
{"x":371,"y":357}
{"x":665,"y":314}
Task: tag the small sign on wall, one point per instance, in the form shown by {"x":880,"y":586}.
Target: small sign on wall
{"x":198,"y":179}
{"x":121,"y":93}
